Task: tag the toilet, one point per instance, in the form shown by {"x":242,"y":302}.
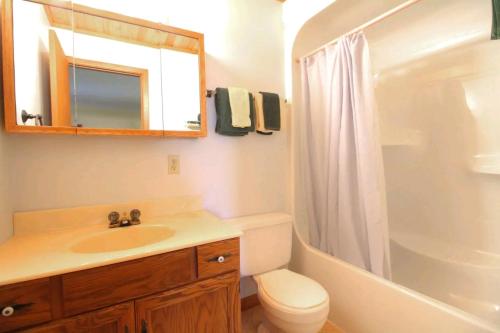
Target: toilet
{"x":291,"y":302}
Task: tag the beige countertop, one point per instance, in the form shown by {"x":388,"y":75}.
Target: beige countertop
{"x":31,"y":256}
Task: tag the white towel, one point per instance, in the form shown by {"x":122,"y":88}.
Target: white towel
{"x":240,"y":107}
{"x":259,"y":113}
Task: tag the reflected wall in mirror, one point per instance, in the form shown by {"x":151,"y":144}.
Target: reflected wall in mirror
{"x":87,"y":71}
{"x":41,"y":67}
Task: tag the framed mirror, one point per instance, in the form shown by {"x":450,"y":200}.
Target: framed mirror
{"x":73,"y":69}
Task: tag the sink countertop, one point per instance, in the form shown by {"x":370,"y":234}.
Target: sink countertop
{"x":29,"y":257}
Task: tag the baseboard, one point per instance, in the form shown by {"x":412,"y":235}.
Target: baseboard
{"x":249,"y":302}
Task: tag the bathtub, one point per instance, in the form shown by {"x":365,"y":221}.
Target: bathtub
{"x":361,"y":302}
{"x":463,"y":277}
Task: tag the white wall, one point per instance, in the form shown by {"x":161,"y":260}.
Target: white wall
{"x":236,"y":176}
{"x":6,"y":227}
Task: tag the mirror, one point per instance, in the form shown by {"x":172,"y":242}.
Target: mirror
{"x":41,"y":67}
{"x":87,"y":71}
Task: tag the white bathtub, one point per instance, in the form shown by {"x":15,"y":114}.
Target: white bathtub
{"x":361,"y":302}
{"x":463,"y":277}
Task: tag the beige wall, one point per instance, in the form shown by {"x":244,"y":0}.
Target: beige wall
{"x":236,"y":176}
{"x":5,"y":196}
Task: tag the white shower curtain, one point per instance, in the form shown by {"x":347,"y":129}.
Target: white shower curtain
{"x":341,"y":158}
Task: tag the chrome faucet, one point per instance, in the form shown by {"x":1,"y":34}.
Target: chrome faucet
{"x":125,"y":221}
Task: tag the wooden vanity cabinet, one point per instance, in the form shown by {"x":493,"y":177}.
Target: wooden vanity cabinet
{"x":186,"y":291}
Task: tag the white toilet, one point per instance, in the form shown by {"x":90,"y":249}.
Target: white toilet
{"x":291,"y":302}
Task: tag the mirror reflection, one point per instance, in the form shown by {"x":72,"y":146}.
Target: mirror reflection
{"x":41,"y":66}
{"x":101,"y":72}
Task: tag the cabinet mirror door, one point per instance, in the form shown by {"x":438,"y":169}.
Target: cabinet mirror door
{"x":117,"y":79}
{"x":42,"y":54}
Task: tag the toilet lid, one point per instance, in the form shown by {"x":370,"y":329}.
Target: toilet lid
{"x":292,"y":289}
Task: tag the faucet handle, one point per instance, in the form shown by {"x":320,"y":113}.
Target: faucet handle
{"x":135,"y":215}
{"x":114,"y":219}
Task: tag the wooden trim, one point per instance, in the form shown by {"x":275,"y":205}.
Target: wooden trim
{"x":81,"y":9}
{"x":118,"y":131}
{"x":249,"y":302}
{"x":107,"y":67}
{"x":9,"y":94}
{"x":203,"y":88}
{"x":142,"y":73}
{"x":60,"y":96}
{"x":41,"y":130}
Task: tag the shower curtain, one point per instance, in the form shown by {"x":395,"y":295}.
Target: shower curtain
{"x":341,"y":158}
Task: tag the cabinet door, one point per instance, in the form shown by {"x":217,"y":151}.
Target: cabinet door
{"x":209,"y":306}
{"x":114,"y":319}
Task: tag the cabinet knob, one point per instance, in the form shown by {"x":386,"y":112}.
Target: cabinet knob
{"x":220,"y":259}
{"x":7,"y":311}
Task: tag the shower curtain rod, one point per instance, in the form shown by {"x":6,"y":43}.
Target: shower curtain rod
{"x":365,"y":25}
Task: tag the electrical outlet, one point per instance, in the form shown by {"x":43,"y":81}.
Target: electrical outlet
{"x":174,"y":165}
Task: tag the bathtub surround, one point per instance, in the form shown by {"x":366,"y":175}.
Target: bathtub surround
{"x":341,"y":156}
{"x":359,"y":309}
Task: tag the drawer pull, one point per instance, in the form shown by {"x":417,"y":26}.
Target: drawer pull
{"x":220,"y":259}
{"x":9,"y":310}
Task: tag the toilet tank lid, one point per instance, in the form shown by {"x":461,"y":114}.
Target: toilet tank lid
{"x":258,"y":221}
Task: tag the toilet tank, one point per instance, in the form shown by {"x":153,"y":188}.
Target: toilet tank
{"x":266,"y":243}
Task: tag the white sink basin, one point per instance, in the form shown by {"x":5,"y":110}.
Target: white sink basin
{"x":125,"y":238}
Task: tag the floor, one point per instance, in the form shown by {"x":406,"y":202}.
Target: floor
{"x":251,"y":319}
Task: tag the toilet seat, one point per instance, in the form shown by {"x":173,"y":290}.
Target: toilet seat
{"x":292,"y":297}
{"x":291,"y":291}
{"x":292,"y":302}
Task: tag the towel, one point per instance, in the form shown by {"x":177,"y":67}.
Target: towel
{"x":240,"y":107}
{"x":271,"y":111}
{"x":224,"y":125}
{"x":259,"y":116}
{"x":495,"y":29}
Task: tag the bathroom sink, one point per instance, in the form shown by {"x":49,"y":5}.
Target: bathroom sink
{"x":119,"y":239}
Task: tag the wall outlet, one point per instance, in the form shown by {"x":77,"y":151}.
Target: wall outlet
{"x":174,"y":165}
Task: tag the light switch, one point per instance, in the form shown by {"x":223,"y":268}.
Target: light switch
{"x":174,"y":165}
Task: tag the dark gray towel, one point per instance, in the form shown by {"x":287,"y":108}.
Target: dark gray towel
{"x":495,"y":28}
{"x":224,"y":125}
{"x":271,"y":110}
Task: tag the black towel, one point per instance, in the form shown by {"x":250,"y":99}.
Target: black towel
{"x":224,"y":125}
{"x":495,"y":28}
{"x":271,"y":110}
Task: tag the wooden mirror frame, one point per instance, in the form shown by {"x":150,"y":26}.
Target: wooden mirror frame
{"x":10,"y":115}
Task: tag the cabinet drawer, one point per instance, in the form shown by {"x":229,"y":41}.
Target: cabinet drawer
{"x":219,"y":257}
{"x":103,"y":286}
{"x":24,"y":304}
{"x":118,"y":318}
